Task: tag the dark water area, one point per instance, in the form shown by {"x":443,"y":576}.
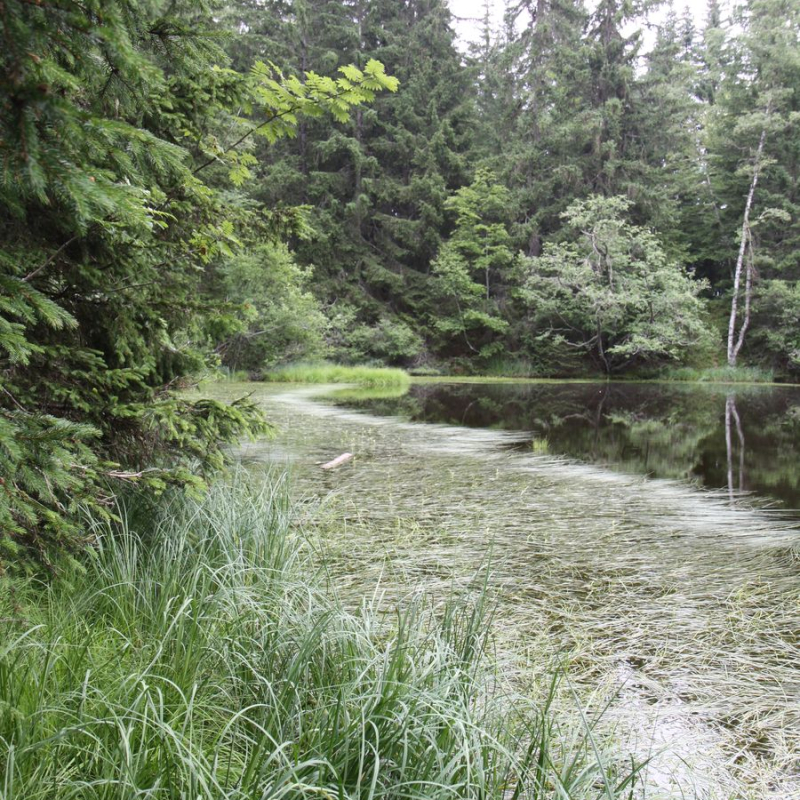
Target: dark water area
{"x":743,"y":440}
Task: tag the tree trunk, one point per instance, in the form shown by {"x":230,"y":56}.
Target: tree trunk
{"x":735,"y":343}
{"x":302,"y":130}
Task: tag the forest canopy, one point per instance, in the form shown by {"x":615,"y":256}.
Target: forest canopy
{"x":189,"y":187}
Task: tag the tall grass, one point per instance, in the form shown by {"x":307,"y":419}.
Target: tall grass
{"x":506,"y":366}
{"x":199,"y":659}
{"x":337,"y":373}
{"x":724,"y":374}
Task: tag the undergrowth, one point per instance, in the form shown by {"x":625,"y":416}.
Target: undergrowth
{"x":720,"y":374}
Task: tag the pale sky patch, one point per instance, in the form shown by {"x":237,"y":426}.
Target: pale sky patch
{"x":469,"y":16}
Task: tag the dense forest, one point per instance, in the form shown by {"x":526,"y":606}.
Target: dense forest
{"x":189,"y":186}
{"x":561,"y":199}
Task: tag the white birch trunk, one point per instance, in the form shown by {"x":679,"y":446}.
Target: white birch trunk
{"x":734,"y":343}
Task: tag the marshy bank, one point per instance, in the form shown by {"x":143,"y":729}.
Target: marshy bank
{"x":675,"y":606}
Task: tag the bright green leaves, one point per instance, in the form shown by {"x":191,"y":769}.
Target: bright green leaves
{"x":278,"y":316}
{"x":212,"y":240}
{"x":472,"y":265}
{"x":240,"y":171}
{"x":286,"y":99}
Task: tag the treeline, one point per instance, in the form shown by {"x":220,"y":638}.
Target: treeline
{"x":560,"y":197}
{"x":187,"y":184}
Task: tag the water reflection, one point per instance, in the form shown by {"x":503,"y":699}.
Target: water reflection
{"x":732,"y":413}
{"x":741,"y":441}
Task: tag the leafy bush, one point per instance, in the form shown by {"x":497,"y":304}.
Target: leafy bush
{"x":280,"y":320}
{"x":391,"y":341}
{"x":775,"y":338}
{"x":613,"y":293}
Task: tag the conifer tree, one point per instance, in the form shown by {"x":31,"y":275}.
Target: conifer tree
{"x":114,"y":113}
{"x":472,"y":271}
{"x":376,"y":188}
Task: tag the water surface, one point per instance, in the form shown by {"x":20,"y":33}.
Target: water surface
{"x":743,"y":440}
{"x":678,"y":606}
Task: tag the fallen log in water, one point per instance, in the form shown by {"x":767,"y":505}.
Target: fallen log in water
{"x":338,"y":461}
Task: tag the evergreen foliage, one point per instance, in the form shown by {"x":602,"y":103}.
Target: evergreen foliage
{"x":183,"y":186}
{"x":377,"y":187}
{"x":113,"y":114}
{"x":563,"y":103}
{"x":472,"y":270}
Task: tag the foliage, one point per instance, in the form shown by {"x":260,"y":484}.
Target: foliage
{"x":776,"y":338}
{"x":472,"y":269}
{"x":753,"y":146}
{"x":111,"y":241}
{"x":376,"y":186}
{"x":511,"y":366}
{"x":198,"y":656}
{"x":392,"y":341}
{"x":562,"y":103}
{"x":280,"y":320}
{"x":724,"y":374}
{"x":183,"y":186}
{"x":614,"y":292}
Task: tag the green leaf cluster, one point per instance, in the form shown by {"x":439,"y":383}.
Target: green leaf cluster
{"x":613,"y":292}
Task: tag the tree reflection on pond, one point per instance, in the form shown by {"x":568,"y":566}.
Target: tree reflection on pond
{"x":741,"y":440}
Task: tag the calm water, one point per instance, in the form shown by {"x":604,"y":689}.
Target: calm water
{"x":742,"y":440}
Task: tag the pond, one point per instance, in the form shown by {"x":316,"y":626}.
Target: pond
{"x":674,"y":606}
{"x":743,"y":440}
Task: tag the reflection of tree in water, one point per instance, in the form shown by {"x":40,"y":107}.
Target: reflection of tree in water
{"x":676,"y":431}
{"x":636,"y":430}
{"x":731,"y":414}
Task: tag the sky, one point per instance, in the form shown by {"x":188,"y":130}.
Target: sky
{"x":469,"y":14}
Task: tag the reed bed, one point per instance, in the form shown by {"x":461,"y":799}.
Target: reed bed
{"x":338,"y":373}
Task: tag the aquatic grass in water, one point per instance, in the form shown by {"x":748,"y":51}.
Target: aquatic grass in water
{"x":686,"y":601}
{"x":200,"y":658}
{"x":362,"y":393}
{"x":337,"y":373}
